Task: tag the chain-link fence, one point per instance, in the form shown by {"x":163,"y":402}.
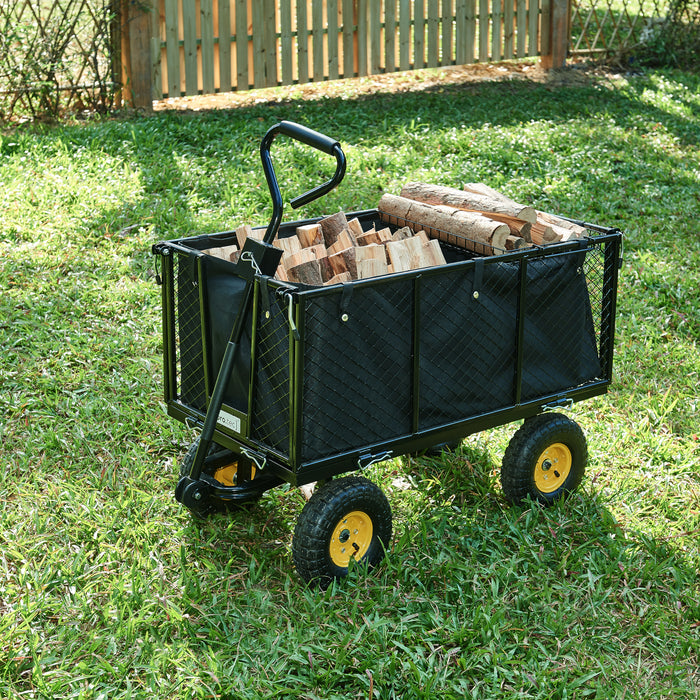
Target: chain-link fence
{"x":58,"y":55}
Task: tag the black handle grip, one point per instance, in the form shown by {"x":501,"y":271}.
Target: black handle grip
{"x":310,"y":138}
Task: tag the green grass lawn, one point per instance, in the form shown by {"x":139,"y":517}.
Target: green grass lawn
{"x":108,"y":589}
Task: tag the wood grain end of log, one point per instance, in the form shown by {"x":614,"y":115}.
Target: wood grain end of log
{"x":309,"y":235}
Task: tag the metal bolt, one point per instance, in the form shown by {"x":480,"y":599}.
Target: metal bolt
{"x":475,"y":295}
{"x":546,"y":465}
{"x":344,"y":317}
{"x":197,"y":496}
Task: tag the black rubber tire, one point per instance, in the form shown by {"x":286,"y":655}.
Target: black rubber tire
{"x":324,"y":514}
{"x":214,"y":504}
{"x":522,"y":465}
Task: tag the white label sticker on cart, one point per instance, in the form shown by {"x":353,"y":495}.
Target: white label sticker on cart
{"x":229,"y":421}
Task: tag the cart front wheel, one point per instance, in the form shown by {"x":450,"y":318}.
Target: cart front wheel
{"x":348,"y":518}
{"x":545,"y":459}
{"x":224,"y":468}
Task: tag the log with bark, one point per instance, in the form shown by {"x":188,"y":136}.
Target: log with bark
{"x":465,"y":199}
{"x":457,"y":227}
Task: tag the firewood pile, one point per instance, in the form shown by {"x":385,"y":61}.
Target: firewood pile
{"x":477,"y":218}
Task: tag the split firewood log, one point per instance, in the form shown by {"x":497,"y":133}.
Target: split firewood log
{"x":245,"y":231}
{"x":344,"y":240}
{"x":308,"y":272}
{"x":355,"y":227}
{"x":332,"y":227}
{"x":557,"y":221}
{"x":289,"y":244}
{"x":309,"y":234}
{"x":370,"y":260}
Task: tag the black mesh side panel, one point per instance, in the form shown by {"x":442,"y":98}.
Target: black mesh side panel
{"x":594,"y":271}
{"x":271,"y":402}
{"x":467,"y":343}
{"x":560,"y":350}
{"x":357,"y":373}
{"x":190,"y":356}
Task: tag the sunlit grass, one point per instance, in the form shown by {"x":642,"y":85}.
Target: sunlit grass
{"x":109,"y":590}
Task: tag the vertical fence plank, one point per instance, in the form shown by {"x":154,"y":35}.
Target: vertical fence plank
{"x":461,"y":46}
{"x":508,"y":24}
{"x":157,"y":77}
{"x":348,"y":38}
{"x":317,"y":39}
{"x":333,"y":36}
{"x":533,"y":19}
{"x":545,"y":29}
{"x":286,"y":41}
{"x":469,"y":31}
{"x":390,"y":35}
{"x":302,"y":42}
{"x":362,"y":32}
{"x":497,"y":26}
{"x":433,"y":33}
{"x":404,"y":34}
{"x":189,"y":26}
{"x":521,"y":28}
{"x":242,"y":71}
{"x":224,"y":45}
{"x":258,"y":44}
{"x":172,"y":43}
{"x":447,"y":57}
{"x":418,"y":34}
{"x":483,"y":30}
{"x":206,"y":19}
{"x":269,"y":48}
{"x":375,"y":37}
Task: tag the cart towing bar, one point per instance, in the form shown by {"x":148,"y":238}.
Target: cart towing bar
{"x":257,"y":258}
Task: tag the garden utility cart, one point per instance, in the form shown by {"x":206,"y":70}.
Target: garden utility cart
{"x":298,"y":384}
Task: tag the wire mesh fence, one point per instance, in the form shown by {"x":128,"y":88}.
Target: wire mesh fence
{"x":58,"y":55}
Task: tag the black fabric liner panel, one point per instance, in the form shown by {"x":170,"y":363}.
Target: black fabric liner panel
{"x":357,"y":372}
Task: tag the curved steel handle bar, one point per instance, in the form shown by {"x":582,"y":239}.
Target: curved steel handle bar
{"x":310,"y":138}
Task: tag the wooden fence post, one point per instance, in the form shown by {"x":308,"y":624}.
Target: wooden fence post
{"x":558,"y":33}
{"x":136,"y":53}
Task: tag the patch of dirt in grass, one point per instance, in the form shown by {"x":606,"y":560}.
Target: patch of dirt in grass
{"x":410,"y":81}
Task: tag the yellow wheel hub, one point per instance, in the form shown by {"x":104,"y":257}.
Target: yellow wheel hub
{"x":228,"y":475}
{"x":351,"y":538}
{"x":553,"y":468}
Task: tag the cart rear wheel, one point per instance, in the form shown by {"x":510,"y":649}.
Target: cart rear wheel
{"x":545,"y":459}
{"x":348,"y":518}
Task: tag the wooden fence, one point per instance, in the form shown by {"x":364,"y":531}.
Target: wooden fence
{"x":188,"y":47}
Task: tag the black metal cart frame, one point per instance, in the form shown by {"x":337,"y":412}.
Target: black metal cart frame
{"x":305,"y":383}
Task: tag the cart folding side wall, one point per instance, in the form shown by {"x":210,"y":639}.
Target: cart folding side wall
{"x":292,"y":383}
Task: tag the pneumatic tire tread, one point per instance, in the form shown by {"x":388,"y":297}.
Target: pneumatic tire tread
{"x":528,"y":443}
{"x":324,"y":510}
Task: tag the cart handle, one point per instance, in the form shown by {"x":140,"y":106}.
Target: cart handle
{"x":310,"y":138}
